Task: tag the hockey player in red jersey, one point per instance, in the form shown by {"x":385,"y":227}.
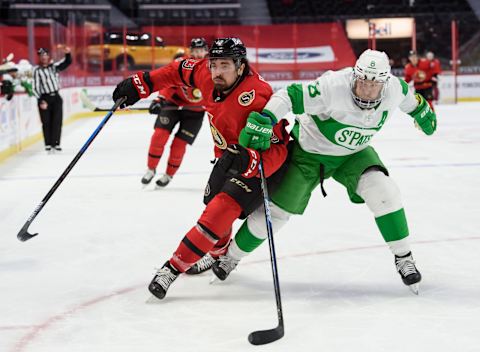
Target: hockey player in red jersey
{"x":421,"y":73}
{"x":437,"y":69}
{"x":233,"y":94}
{"x":175,"y":105}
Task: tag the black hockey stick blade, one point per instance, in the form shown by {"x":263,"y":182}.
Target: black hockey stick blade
{"x":24,"y":235}
{"x":262,"y":337}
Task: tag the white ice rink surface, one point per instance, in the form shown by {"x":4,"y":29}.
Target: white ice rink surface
{"x":81,"y":285}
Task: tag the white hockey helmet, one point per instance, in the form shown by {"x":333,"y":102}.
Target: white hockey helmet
{"x":374,"y":66}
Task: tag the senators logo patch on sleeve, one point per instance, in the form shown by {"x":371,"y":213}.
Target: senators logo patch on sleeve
{"x":188,"y":64}
{"x":246,"y":98}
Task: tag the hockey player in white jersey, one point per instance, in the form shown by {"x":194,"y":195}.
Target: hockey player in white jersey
{"x":336,"y":117}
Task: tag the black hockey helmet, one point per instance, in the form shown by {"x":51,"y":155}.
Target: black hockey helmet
{"x":198,"y":43}
{"x":228,"y":48}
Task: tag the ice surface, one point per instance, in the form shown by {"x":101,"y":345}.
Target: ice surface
{"x":81,"y":285}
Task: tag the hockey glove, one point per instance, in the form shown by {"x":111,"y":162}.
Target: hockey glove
{"x":134,"y":88}
{"x":239,"y":160}
{"x":156,"y":106}
{"x":257,"y":132}
{"x":424,"y":117}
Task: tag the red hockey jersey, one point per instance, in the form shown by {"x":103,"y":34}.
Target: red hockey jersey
{"x":188,"y":97}
{"x":228,"y":114}
{"x":421,"y":74}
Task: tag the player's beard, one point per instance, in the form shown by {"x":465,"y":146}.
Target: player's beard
{"x":220,"y":86}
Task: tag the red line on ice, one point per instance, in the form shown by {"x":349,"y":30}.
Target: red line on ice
{"x":22,"y":343}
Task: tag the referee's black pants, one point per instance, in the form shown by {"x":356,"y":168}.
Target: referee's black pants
{"x":52,"y":118}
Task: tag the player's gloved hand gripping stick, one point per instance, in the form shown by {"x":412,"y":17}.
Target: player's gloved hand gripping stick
{"x":24,"y":235}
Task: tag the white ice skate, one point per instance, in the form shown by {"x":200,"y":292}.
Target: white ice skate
{"x":163,"y":181}
{"x":147,"y":178}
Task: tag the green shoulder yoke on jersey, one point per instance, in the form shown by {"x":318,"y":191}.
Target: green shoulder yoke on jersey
{"x":404,"y":86}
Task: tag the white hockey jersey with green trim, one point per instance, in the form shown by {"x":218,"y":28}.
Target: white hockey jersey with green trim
{"x":328,"y":121}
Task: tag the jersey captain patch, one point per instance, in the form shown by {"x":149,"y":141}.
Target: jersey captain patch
{"x":246,"y":98}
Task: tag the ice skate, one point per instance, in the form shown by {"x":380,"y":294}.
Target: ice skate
{"x":204,"y":264}
{"x":163,"y":181}
{"x":162,"y":280}
{"x":49,"y":149}
{"x":147,"y":178}
{"x":408,"y":271}
{"x":224,"y":266}
{"x":57,"y":148}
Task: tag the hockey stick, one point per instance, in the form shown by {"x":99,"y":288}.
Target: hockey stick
{"x":24,"y":235}
{"x":262,"y":337}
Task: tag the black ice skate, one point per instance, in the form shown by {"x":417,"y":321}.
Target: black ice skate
{"x":408,"y":271}
{"x":162,"y":280}
{"x":147,"y":178}
{"x":224,"y":266}
{"x":163,"y":180}
{"x":204,"y":264}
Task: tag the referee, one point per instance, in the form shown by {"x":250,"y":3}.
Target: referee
{"x":46,"y":87}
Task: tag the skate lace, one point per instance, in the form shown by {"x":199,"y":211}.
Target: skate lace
{"x":205,"y":263}
{"x":406,"y":266}
{"x":227,"y":263}
{"x":164,"y":277}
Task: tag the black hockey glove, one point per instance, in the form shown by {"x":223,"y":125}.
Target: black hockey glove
{"x":134,"y":88}
{"x":156,"y":106}
{"x":239,"y":160}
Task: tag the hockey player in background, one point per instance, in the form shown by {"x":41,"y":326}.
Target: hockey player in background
{"x":437,"y":69}
{"x":175,"y":105}
{"x":337,"y":116}
{"x":422,"y":74}
{"x":231,"y":90}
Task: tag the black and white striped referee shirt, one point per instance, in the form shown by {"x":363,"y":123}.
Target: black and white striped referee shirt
{"x":45,"y":79}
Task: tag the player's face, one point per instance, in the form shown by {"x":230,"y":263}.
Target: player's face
{"x":368,"y":90}
{"x":224,"y":73}
{"x":198,"y":53}
{"x":44,"y":59}
{"x":413,"y":59}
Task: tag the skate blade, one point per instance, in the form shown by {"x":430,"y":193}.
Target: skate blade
{"x":214,"y":280}
{"x":414,"y":288}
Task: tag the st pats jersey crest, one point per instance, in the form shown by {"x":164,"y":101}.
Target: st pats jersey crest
{"x":246,"y":98}
{"x":218,"y":139}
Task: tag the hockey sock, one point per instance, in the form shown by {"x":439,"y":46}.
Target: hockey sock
{"x":214,"y":224}
{"x":177,"y":151}
{"x":221,"y":246}
{"x":244,"y":242}
{"x":157,"y":144}
{"x":394,"y":229}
